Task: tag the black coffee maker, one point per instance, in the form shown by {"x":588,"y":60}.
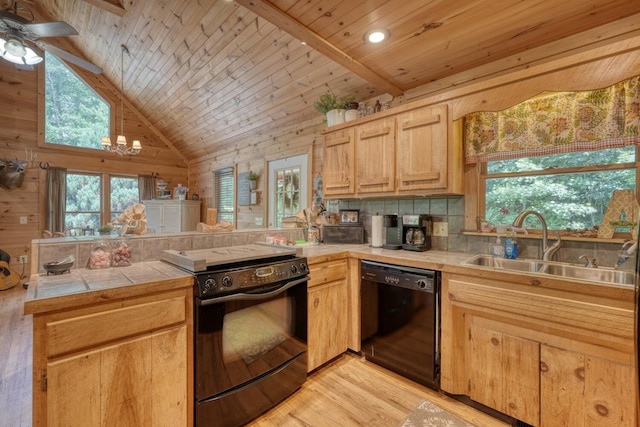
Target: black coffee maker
{"x":416,"y":232}
{"x":392,"y":232}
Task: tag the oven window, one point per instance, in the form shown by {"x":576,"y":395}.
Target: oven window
{"x":252,"y":332}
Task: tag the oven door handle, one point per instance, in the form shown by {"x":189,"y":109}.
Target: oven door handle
{"x":244,"y":297}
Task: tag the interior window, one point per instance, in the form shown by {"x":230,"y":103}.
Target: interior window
{"x":287,"y":188}
{"x":224,"y":194}
{"x":571,"y":190}
{"x":83,"y":207}
{"x":75,"y":115}
{"x":123,"y":193}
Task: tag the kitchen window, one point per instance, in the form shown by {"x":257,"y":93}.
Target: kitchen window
{"x":83,"y":208}
{"x":123,"y":192}
{"x":571,"y":190}
{"x":86,"y":193}
{"x":75,"y":114}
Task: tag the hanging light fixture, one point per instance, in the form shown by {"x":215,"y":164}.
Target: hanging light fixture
{"x":120,"y":146}
{"x":14,"y":50}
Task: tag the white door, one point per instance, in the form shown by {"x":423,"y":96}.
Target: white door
{"x":287,"y":181}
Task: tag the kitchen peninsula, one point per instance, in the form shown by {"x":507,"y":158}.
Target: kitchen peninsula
{"x":505,"y":335}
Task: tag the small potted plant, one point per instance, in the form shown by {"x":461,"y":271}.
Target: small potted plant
{"x":333,"y":107}
{"x":105,"y":229}
{"x":253,"y":180}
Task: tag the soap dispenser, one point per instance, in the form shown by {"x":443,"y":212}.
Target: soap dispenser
{"x":497,"y":249}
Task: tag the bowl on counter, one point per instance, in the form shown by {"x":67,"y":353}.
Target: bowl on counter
{"x":57,"y":267}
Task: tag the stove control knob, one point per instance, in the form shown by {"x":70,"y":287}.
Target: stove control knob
{"x":227,"y":281}
{"x":294,"y":268}
{"x":422,"y":284}
{"x":303,"y":267}
{"x":209,"y":285}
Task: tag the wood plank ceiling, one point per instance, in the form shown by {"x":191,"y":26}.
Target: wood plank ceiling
{"x":208,"y":73}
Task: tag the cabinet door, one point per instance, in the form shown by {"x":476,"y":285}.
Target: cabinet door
{"x":142,"y":382}
{"x":328,"y":311}
{"x":338,"y":167}
{"x":375,"y":156}
{"x":578,"y":390}
{"x":172,"y":218}
{"x":422,"y":154}
{"x":505,"y":373}
{"x":154,"y":217}
{"x":190,"y":216}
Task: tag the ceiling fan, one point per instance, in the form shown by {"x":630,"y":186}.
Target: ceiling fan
{"x":18,"y":32}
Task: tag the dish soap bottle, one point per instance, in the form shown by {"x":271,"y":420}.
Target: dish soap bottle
{"x":497,"y":249}
{"x":511,"y":246}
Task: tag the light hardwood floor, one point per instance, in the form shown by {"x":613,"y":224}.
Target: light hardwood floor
{"x":346,"y":392}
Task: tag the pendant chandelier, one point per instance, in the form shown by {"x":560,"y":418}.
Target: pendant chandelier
{"x":120,"y":146}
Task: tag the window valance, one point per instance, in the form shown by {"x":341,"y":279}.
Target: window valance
{"x":557,"y":123}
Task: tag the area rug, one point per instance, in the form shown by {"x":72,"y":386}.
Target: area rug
{"x":427,"y":414}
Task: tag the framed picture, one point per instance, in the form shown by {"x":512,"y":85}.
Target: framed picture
{"x":349,"y":216}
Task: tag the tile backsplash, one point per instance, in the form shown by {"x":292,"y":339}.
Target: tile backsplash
{"x":450,"y":210}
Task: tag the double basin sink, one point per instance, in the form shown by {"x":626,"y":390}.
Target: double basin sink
{"x":601,"y":275}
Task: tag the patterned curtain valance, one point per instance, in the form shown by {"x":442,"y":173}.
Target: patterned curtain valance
{"x":557,"y":123}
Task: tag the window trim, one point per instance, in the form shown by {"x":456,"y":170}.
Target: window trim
{"x":41,"y":108}
{"x":477,"y":190}
{"x":105,"y":185}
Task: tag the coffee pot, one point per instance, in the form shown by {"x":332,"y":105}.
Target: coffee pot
{"x":417,"y":232}
{"x":415,"y":236}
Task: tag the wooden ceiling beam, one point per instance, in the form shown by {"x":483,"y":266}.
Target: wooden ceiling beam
{"x":283,"y":21}
{"x":110,"y":6}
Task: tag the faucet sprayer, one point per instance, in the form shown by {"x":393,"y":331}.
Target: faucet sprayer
{"x":629,"y":247}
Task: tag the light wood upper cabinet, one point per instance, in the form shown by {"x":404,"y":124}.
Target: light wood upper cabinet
{"x":375,"y":156}
{"x":338,"y":167}
{"x":423,"y":149}
{"x":415,"y":152}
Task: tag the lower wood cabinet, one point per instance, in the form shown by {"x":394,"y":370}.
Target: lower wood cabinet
{"x":328,"y":311}
{"x":504,"y":373}
{"x":119,"y":363}
{"x":580,"y":390}
{"x":549,"y":354}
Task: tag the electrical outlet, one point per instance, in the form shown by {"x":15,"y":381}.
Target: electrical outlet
{"x":441,"y":229}
{"x":258,"y":220}
{"x":23,"y":259}
{"x":23,"y":220}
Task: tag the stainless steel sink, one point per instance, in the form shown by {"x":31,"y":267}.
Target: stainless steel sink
{"x":600,"y":275}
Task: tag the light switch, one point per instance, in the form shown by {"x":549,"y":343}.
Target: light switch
{"x":23,"y":220}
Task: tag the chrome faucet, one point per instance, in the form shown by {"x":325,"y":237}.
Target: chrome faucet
{"x":547,"y":251}
{"x":628,"y":248}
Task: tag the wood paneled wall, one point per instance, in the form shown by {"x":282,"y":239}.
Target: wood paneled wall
{"x":590,"y":69}
{"x":253,"y":154}
{"x":20,"y":109}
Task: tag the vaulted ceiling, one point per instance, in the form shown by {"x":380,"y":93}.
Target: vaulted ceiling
{"x":207,"y":73}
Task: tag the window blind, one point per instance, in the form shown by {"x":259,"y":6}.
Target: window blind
{"x":223,"y":197}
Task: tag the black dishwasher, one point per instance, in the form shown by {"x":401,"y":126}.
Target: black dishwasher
{"x":400,"y":320}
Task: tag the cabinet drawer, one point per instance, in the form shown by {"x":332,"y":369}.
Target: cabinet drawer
{"x":69,"y":335}
{"x":327,"y":272}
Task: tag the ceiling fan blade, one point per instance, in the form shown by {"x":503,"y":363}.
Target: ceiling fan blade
{"x":51,"y":29}
{"x":63,"y":54}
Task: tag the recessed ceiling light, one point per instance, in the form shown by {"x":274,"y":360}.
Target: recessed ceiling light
{"x":376,"y":36}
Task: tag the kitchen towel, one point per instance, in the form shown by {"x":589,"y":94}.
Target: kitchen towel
{"x":376,"y":231}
